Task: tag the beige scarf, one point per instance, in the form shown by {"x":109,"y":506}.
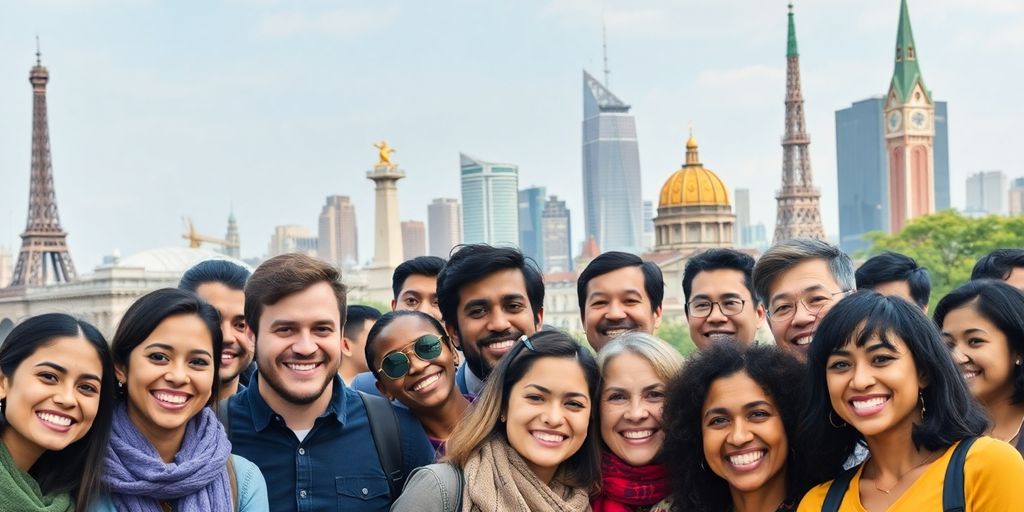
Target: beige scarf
{"x":498,"y":480}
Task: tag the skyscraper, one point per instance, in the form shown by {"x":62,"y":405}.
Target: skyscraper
{"x":909,"y":133}
{"x":490,"y":202}
{"x":292,"y":238}
{"x":414,"y":239}
{"x":1016,"y":206}
{"x":444,"y":219}
{"x":556,"y":229}
{"x":799,"y":211}
{"x":648,"y":239}
{"x":742,"y":196}
{"x":339,"y":238}
{"x":233,"y":250}
{"x":986,"y":193}
{"x":612,"y":204}
{"x":531,"y":208}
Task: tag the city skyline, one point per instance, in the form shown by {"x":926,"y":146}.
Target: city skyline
{"x":165,"y":127}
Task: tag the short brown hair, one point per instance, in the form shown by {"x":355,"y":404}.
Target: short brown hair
{"x":285,"y":275}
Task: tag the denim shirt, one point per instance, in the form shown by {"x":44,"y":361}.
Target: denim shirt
{"x":335,"y":467}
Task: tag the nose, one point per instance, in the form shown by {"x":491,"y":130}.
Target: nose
{"x":615,"y":311}
{"x":716,"y":315}
{"x":740,"y":434}
{"x":176,"y":374}
{"x":227,"y":332}
{"x":416,"y":365}
{"x":959,"y":357}
{"x":304,"y":346}
{"x":498,"y":321}
{"x":553,"y":414}
{"x":863,"y":377}
{"x":636,"y":411}
{"x":803,"y":316}
{"x":64,"y":396}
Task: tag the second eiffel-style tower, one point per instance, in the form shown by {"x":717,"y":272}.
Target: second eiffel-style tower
{"x":799,"y":210}
{"x":44,"y":256}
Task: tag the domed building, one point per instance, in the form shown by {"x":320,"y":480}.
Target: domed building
{"x":693,"y":210}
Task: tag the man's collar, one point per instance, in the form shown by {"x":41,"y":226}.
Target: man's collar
{"x":262,"y":413}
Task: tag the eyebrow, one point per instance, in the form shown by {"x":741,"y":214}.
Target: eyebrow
{"x":645,"y":388}
{"x":547,"y":391}
{"x":727,"y":295}
{"x":171,"y":349}
{"x":751,"y":405}
{"x":805,"y":290}
{"x":64,"y":371}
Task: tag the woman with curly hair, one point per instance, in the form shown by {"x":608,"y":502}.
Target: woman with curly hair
{"x":635,"y":370}
{"x":729,"y":420}
{"x":880,"y":375}
{"x":983,"y":325}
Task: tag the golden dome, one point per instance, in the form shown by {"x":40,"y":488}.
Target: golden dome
{"x":693,"y":185}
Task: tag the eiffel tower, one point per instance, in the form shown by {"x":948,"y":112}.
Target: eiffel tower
{"x":44,"y":256}
{"x":799,"y":213}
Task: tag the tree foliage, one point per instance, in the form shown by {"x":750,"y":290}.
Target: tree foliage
{"x":948,"y":244}
{"x":677,"y":334}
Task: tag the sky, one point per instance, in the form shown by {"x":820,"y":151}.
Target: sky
{"x":160,"y":110}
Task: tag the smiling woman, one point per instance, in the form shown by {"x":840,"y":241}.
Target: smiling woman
{"x":168,"y":450}
{"x":56,"y":402}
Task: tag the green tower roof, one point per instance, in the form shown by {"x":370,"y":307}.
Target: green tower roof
{"x":791,"y":50}
{"x":907,"y":72}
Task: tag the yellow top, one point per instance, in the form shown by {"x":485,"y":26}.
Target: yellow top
{"x":993,"y":480}
{"x":693,"y":185}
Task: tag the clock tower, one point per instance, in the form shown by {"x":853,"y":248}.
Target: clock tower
{"x":909,"y":117}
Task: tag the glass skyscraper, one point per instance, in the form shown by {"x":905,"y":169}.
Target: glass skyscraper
{"x":531,"y":210}
{"x":612,"y":204}
{"x":490,"y":201}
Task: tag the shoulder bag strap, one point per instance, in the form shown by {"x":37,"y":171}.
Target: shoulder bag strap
{"x":837,"y":491}
{"x":224,"y":415}
{"x":387,"y":438}
{"x":953,"y":493}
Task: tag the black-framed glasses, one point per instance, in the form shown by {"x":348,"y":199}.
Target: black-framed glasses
{"x":702,"y":308}
{"x":813,"y":302}
{"x":396,"y":364}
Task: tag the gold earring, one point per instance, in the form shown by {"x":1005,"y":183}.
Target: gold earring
{"x":830,"y":420}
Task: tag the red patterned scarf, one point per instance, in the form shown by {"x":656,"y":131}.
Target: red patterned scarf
{"x":625,"y":487}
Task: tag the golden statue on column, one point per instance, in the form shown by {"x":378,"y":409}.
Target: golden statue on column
{"x":384,"y":154}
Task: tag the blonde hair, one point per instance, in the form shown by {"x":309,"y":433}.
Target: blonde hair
{"x":665,"y":360}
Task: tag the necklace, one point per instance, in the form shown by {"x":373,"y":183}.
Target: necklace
{"x":907,"y":472}
{"x":1015,"y":432}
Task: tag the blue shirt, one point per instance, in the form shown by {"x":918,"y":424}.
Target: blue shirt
{"x":335,"y":467}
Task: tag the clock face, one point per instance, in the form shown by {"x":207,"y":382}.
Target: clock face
{"x":895,"y":120}
{"x":919,"y":119}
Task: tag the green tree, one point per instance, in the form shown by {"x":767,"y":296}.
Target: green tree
{"x":677,"y":334}
{"x":948,"y":244}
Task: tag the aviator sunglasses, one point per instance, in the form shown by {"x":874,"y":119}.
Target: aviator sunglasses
{"x":397,"y":364}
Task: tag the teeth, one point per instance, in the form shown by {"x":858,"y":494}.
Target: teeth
{"x":637,"y":434}
{"x":501,"y":345}
{"x":550,"y":438}
{"x":170,"y":398}
{"x":806,"y":340}
{"x":746,"y":459}
{"x":55,"y":419}
{"x":970,"y":374}
{"x":614,"y":332}
{"x":874,"y":402}
{"x":301,"y":367}
{"x":426,"y":382}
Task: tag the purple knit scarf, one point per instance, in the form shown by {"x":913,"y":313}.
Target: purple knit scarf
{"x":197,"y":479}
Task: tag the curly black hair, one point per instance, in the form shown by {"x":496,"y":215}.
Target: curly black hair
{"x":695,"y":488}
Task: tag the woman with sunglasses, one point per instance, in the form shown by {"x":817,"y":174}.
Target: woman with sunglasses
{"x":983,"y":325}
{"x":415,"y":363}
{"x":56,"y":403}
{"x":879,"y":374}
{"x":530,"y":441}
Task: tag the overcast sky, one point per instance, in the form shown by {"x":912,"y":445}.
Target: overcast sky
{"x":165,"y":109}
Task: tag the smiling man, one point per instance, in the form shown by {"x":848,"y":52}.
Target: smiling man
{"x":619,"y":292}
{"x":297,"y":417}
{"x":799,"y":281}
{"x":720,"y":300}
{"x":489,"y":297}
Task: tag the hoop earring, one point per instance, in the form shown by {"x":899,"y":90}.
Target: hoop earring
{"x":830,"y":420}
{"x":702,"y":467}
{"x":920,"y":398}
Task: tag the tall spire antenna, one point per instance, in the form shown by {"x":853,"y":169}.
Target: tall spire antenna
{"x":39,"y":55}
{"x":604,"y":44}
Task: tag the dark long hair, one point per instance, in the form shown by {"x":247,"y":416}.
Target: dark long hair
{"x":1001,"y":304}
{"x":778,"y":373}
{"x":143,"y":317}
{"x":78,"y":468}
{"x":952,"y":413}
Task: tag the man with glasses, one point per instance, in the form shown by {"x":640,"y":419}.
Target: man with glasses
{"x":799,"y":281}
{"x":719,"y":295}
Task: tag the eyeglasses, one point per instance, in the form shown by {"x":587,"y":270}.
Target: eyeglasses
{"x":813,"y":302}
{"x":396,"y":364}
{"x":701,"y":308}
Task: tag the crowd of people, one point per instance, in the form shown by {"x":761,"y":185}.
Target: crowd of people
{"x":268,"y":391}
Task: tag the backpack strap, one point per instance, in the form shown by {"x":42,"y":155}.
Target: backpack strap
{"x":233,"y":480}
{"x":224,"y":415}
{"x":837,"y":491}
{"x":954,"y":497}
{"x":387,"y":438}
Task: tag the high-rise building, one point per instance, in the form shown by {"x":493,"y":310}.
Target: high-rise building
{"x":490,"y":202}
{"x":414,"y":239}
{"x":444,"y":218}
{"x":986,"y":193}
{"x":556,"y":229}
{"x":1016,"y":203}
{"x":292,"y":238}
{"x":742,"y":198}
{"x":339,"y":238}
{"x":649,"y":212}
{"x":799,"y":209}
{"x":909,"y":133}
{"x":612,"y":205}
{"x":233,"y":248}
{"x":531,"y":209}
{"x":44,"y":256}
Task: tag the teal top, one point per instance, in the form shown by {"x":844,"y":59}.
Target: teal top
{"x":252,"y":489}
